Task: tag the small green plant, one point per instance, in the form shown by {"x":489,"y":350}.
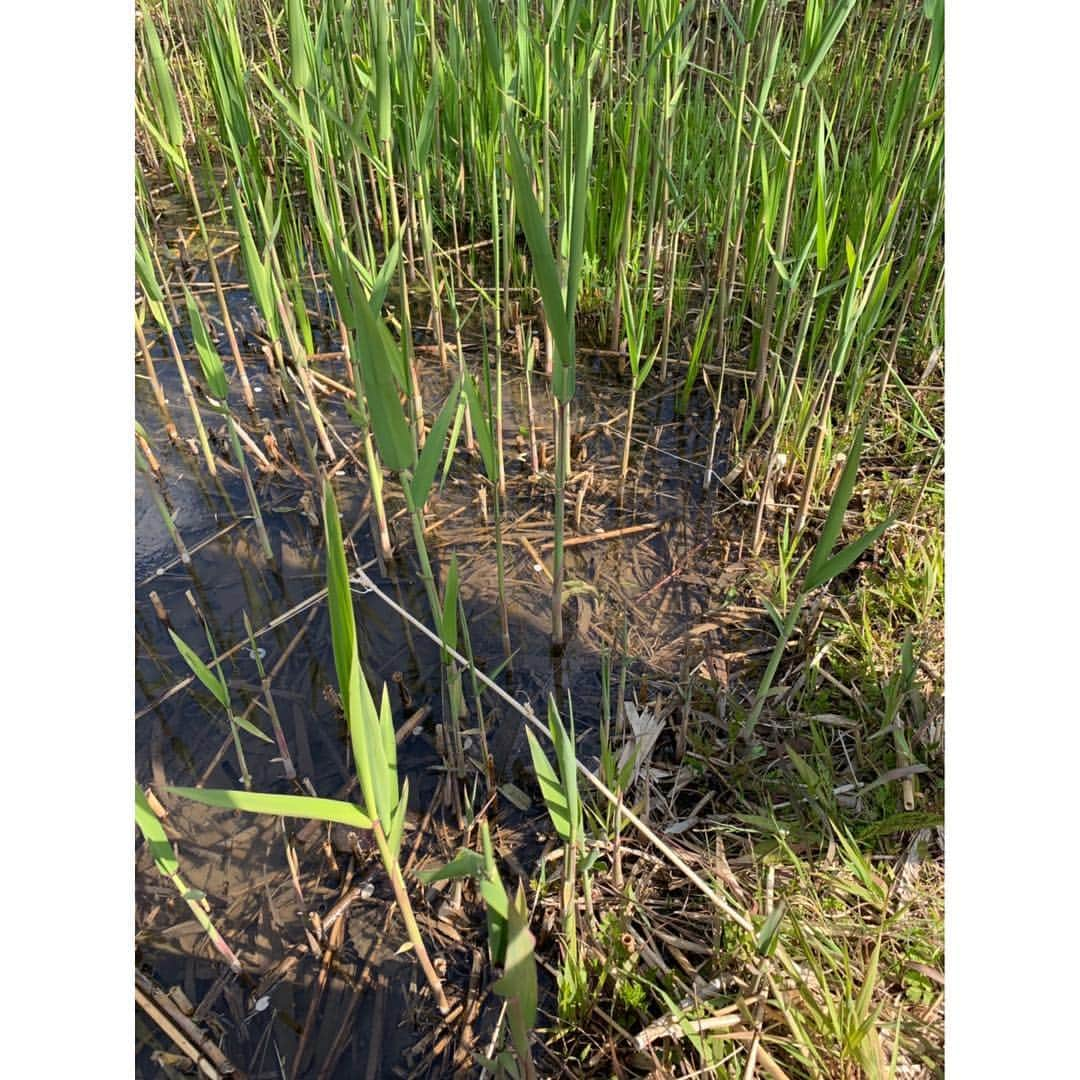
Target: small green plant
{"x":620,"y":964}
{"x":825,"y":564}
{"x":510,"y":942}
{"x":371,"y":729}
{"x":169,"y":867}
{"x":220,"y":689}
{"x":562,"y":797}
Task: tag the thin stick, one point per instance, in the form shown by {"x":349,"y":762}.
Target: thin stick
{"x":159,"y":395}
{"x":611,"y":534}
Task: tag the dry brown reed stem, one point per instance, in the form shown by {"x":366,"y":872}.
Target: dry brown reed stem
{"x":336,"y":939}
{"x":159,"y":395}
{"x":300,"y":361}
{"x":812,"y":464}
{"x":252,"y":445}
{"x":610,"y":534}
{"x":271,"y":675}
{"x":296,"y":609}
{"x":193,"y":405}
{"x":191,"y":551}
{"x":151,"y":457}
{"x":774,"y":466}
{"x":185,"y":1034}
{"x":536,"y":557}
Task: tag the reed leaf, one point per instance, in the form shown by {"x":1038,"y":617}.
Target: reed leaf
{"x":293,"y":806}
{"x":518,"y":983}
{"x":552,"y":790}
{"x":299,"y":45}
{"x":834,"y":521}
{"x":828,"y":35}
{"x":154,"y":834}
{"x":172,"y":127}
{"x":209,"y":360}
{"x":201,"y":672}
{"x":380,"y":362}
{"x":428,"y":463}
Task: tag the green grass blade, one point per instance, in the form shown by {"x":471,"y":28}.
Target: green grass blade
{"x":212,"y":368}
{"x":339,"y":594}
{"x":583,"y":143}
{"x":174,"y":127}
{"x":397,"y":823}
{"x":246,"y":725}
{"x":295,"y":806}
{"x":566,"y":757}
{"x":299,"y":43}
{"x":551,"y":789}
{"x":845,"y":557}
{"x":378,"y":363}
{"x":828,"y":35}
{"x":449,"y":627}
{"x":834,"y":522}
{"x":154,"y":834}
{"x":768,"y":935}
{"x":464,"y":864}
{"x":201,"y":672}
{"x":259,"y":279}
{"x":518,"y":984}
{"x":547,"y":273}
{"x":481,"y":429}
{"x":495,"y":897}
{"x":428,"y":463}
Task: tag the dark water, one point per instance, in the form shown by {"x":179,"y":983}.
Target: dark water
{"x":182,"y":738}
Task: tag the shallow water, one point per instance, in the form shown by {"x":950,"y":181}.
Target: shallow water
{"x":182,"y":737}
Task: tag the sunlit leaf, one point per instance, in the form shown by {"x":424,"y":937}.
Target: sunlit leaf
{"x":293,"y":806}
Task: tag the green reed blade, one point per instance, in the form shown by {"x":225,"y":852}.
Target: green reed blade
{"x":832,"y":28}
{"x":154,"y":834}
{"x":481,"y":429}
{"x":834,"y":521}
{"x":428,"y":463}
{"x":380,"y":362}
{"x":173,"y":126}
{"x":552,"y":790}
{"x":299,"y":45}
{"x":464,"y":864}
{"x":342,"y":617}
{"x":212,"y":368}
{"x":201,"y":672}
{"x":518,"y":983}
{"x":495,"y":898}
{"x":544,"y":267}
{"x":839,"y":562}
{"x":294,"y":806}
{"x":397,"y":822}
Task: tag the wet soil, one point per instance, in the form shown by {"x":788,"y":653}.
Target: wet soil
{"x":661,"y":590}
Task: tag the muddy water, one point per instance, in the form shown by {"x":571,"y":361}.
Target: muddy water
{"x":182,"y":738}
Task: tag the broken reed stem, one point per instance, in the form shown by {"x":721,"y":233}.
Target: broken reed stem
{"x":170,"y":525}
{"x":193,"y":405}
{"x":159,"y":395}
